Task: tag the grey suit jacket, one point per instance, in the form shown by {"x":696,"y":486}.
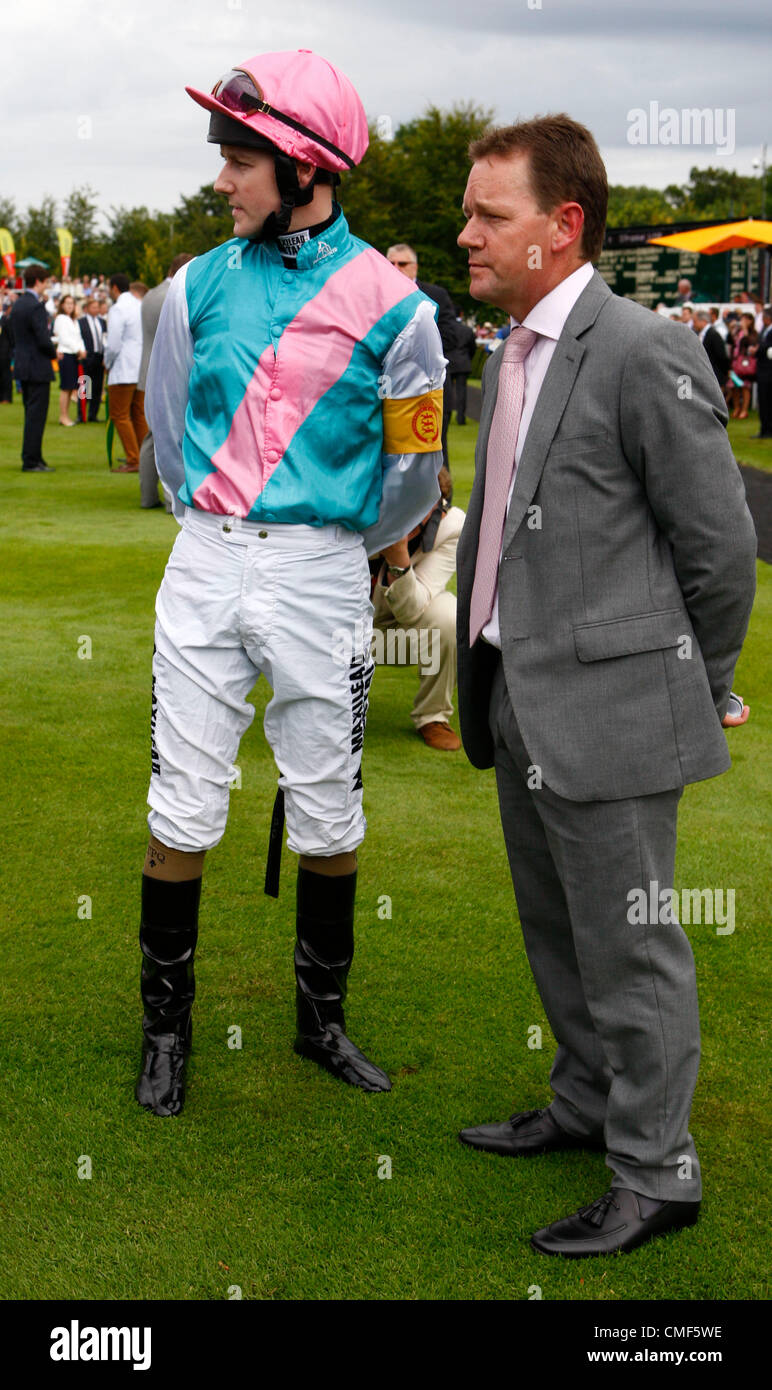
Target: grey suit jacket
{"x":628,"y":562}
{"x":152,"y":305}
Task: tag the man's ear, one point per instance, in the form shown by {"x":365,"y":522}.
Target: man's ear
{"x":305,"y":172}
{"x":569,"y":222}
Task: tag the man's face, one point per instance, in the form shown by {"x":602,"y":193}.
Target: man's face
{"x":503,"y":227}
{"x":404,"y":262}
{"x":115,"y":293}
{"x":248,"y":180}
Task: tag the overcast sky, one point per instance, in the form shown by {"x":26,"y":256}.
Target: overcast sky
{"x":93,"y":90}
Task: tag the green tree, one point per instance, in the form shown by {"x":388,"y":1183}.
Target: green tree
{"x":38,"y":238}
{"x":716,"y":194}
{"x":124,"y":247}
{"x":201,"y":222}
{"x":638,"y":206}
{"x":10,"y":218}
{"x":157,"y":250}
{"x":80,"y":215}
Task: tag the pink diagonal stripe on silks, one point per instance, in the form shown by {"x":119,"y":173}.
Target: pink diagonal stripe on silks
{"x":499,"y":467}
{"x":314,"y":352}
{"x":233,"y":491}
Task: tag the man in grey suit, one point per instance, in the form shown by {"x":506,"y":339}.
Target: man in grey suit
{"x":606,"y":574}
{"x":152,"y":305}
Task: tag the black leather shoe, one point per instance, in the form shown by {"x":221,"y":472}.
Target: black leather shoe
{"x":323,"y":956}
{"x":528,"y":1132}
{"x":620,"y":1220}
{"x":161,"y":1086}
{"x":340,"y":1056}
{"x":39,"y":468}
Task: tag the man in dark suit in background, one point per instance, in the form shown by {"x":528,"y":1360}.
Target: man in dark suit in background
{"x":764,"y":375}
{"x":93,"y":329}
{"x":34,"y":349}
{"x":404,"y":258}
{"x":713,"y":344}
{"x":606,"y":573}
{"x":460,"y":360}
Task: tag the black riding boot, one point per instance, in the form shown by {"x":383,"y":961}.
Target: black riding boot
{"x":323,"y":955}
{"x":167,"y":939}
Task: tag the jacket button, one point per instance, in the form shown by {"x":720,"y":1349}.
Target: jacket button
{"x":226,"y":527}
{"x":263,"y":535}
{"x":275,"y":393}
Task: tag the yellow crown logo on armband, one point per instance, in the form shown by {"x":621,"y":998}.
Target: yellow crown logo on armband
{"x":426,"y":423}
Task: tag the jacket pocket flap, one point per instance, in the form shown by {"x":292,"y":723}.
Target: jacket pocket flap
{"x":577,"y":443}
{"x":645,"y":632}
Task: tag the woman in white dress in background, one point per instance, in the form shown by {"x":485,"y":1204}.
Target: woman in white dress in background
{"x":69,"y":347}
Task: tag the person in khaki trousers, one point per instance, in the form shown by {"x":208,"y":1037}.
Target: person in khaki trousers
{"x":122,"y":354}
{"x":414,"y":619}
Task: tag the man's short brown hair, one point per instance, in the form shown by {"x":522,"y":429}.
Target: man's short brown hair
{"x":565,"y":167}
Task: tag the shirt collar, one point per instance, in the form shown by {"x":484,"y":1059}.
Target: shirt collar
{"x":314,"y":252}
{"x":329,"y":243}
{"x":548,"y":317}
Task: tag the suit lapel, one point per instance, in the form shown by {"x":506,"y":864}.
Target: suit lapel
{"x":553,"y":398}
{"x":491,"y":382}
{"x":467,"y":558}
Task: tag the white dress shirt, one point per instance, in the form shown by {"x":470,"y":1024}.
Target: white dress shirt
{"x":97,"y":332}
{"x":123,"y":340}
{"x":547,"y":318}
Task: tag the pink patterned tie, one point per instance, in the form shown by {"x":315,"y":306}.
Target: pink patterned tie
{"x":500,"y":465}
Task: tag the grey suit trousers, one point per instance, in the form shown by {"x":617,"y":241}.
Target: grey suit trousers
{"x":621,"y":999}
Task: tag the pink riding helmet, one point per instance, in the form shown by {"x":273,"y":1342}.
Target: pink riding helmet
{"x":306,"y":108}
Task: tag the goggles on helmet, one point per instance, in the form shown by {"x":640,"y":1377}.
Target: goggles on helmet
{"x":239,"y":92}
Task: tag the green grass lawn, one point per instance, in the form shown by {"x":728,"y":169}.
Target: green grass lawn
{"x":269,"y":1180}
{"x":756,"y":452}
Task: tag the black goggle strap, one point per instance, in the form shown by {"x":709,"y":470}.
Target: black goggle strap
{"x":235,"y":88}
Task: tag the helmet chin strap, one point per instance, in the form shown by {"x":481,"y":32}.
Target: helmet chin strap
{"x":292,"y":196}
